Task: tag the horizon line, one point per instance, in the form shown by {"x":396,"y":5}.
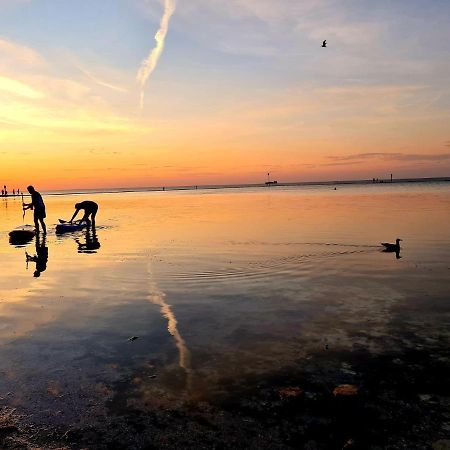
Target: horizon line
{"x":131,"y":189}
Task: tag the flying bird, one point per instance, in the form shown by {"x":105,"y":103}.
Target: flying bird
{"x":324,"y":43}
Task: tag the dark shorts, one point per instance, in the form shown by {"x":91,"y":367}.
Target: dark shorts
{"x":39,"y":214}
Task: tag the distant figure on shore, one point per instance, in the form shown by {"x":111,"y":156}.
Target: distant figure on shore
{"x":90,"y":209}
{"x":324,"y":43}
{"x":38,"y":205}
{"x":14,"y":193}
{"x":3,"y":193}
{"x":5,"y":190}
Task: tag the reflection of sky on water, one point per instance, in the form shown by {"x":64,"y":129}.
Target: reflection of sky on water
{"x":159,"y":298}
{"x":218,"y":285}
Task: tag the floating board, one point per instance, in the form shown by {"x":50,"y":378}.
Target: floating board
{"x":68,"y":227}
{"x":22,"y":234}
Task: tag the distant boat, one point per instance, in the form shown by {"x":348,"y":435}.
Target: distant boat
{"x":268,"y":182}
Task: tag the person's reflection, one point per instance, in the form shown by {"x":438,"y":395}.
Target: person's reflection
{"x":91,"y":244}
{"x":40,"y":258}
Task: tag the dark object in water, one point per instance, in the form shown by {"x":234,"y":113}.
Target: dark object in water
{"x":67,"y":227}
{"x":22,"y":235}
{"x":290,"y":393}
{"x":324,"y":43}
{"x":346,"y":390}
{"x":392,"y":247}
{"x":133,"y":338}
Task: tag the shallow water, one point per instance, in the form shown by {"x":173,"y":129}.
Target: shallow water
{"x":219,"y":287}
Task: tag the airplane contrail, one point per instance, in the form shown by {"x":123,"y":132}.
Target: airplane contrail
{"x":101,"y":82}
{"x":149,"y":63}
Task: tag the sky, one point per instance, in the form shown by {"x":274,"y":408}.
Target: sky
{"x":234,"y":89}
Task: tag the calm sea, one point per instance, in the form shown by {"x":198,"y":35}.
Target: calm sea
{"x":221,"y":287}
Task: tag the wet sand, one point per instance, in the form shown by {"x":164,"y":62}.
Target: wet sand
{"x":265,"y":318}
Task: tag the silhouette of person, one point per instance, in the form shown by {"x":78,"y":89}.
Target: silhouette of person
{"x":91,"y":245}
{"x":41,"y":257}
{"x":38,"y":205}
{"x":90,"y":209}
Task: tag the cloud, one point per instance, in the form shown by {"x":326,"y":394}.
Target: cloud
{"x":336,"y":164}
{"x":12,"y":53}
{"x":393,"y":157}
{"x":102,"y":82}
{"x":17,"y":88}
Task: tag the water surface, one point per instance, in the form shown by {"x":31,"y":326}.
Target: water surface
{"x":229,"y":292}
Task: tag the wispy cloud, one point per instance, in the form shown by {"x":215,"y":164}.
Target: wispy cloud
{"x":14,"y":54}
{"x":17,"y":88}
{"x":393,"y":156}
{"x":149,"y":63}
{"x":100,"y":82}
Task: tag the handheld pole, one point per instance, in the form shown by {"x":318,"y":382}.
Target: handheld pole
{"x":23,"y":208}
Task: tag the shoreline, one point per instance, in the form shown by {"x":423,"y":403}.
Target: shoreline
{"x":131,"y":190}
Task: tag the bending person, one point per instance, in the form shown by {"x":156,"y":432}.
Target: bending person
{"x":90,"y":209}
{"x":38,"y":205}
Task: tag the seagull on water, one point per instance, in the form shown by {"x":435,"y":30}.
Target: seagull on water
{"x":324,"y":43}
{"x":392,"y":247}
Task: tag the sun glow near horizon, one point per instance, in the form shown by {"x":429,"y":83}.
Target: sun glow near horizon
{"x":228,"y":102}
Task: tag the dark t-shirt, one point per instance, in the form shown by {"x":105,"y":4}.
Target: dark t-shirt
{"x":38,"y":204}
{"x":88,"y":206}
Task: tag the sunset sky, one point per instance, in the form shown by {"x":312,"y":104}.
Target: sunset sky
{"x":242,"y":87}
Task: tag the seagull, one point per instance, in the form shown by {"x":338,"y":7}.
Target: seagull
{"x":324,"y":43}
{"x":391,"y":247}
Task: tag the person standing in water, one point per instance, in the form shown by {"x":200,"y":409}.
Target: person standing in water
{"x":38,"y":205}
{"x":90,"y":209}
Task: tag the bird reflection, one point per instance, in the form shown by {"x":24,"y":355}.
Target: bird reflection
{"x":91,"y":243}
{"x":40,"y":258}
{"x":396,"y":251}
